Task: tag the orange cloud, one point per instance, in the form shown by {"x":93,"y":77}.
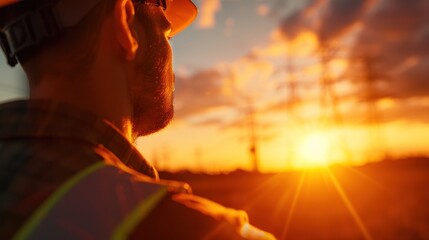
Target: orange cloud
{"x":229,"y":26}
{"x":306,"y":43}
{"x":208,"y":10}
{"x":263,"y":10}
{"x":302,"y":45}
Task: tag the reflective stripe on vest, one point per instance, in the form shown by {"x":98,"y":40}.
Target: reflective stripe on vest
{"x":100,"y":202}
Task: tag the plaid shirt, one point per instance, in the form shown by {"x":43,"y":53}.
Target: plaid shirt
{"x":53,"y":171}
{"x":42,"y":144}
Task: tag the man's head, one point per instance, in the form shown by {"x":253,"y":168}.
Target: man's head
{"x":125,"y":42}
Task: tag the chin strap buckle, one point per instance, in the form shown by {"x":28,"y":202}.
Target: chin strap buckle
{"x":28,"y":30}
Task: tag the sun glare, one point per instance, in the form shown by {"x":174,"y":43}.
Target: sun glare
{"x":313,"y":152}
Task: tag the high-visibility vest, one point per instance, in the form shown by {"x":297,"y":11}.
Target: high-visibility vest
{"x":102,"y":202}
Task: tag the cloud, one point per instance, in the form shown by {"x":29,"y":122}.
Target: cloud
{"x":338,"y":16}
{"x":218,"y":96}
{"x":393,"y":34}
{"x":396,"y":32}
{"x":300,"y":20}
{"x":207,"y":15}
{"x":327,"y":18}
{"x":200,"y":93}
{"x":413,"y":82}
{"x":263,"y":10}
{"x":393,"y":31}
{"x":229,"y":26}
{"x":218,"y":121}
{"x":421,"y":43}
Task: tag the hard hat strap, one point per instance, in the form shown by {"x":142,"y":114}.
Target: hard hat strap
{"x":28,"y":30}
{"x":44,"y":22}
{"x":35,"y":26}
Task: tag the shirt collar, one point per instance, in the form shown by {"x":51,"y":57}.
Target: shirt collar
{"x":48,"y":119}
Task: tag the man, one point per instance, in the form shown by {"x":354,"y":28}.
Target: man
{"x":100,"y":75}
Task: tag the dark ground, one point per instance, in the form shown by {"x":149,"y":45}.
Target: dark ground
{"x":387,"y":200}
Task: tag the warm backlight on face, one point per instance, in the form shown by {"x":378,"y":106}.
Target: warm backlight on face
{"x":313,"y":151}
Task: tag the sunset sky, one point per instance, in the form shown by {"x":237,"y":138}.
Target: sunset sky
{"x":323,"y":81}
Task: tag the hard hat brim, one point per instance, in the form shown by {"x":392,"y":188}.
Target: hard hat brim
{"x":181,"y":13}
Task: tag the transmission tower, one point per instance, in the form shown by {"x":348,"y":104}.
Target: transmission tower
{"x":253,"y":150}
{"x":251,"y":125}
{"x":291,"y":84}
{"x":292,"y":100}
{"x":370,"y":80}
{"x":329,"y":100}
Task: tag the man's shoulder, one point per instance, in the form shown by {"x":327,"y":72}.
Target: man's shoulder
{"x":106,"y":202}
{"x":186,"y":216}
{"x":179,"y":214}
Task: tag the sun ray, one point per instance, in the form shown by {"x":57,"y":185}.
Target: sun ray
{"x":262,"y":190}
{"x":280,"y":204}
{"x":364,"y":176}
{"x":265,"y":188}
{"x":293,"y":205}
{"x":349,"y":205}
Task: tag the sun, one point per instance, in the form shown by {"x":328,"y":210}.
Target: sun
{"x":313,"y":151}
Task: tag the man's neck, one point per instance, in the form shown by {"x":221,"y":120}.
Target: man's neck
{"x":99,"y":92}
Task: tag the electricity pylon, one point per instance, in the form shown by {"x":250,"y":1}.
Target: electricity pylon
{"x":251,"y":126}
{"x":253,"y":138}
{"x":329,"y":99}
{"x":370,"y":78}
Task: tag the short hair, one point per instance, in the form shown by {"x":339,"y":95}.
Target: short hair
{"x":76,"y":45}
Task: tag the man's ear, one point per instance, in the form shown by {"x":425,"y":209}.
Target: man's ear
{"x":124,"y":17}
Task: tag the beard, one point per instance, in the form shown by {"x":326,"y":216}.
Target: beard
{"x":153,"y":95}
{"x":151,"y":115}
{"x":153,"y":80}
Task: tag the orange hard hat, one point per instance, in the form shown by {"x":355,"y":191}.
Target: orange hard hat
{"x":40,"y":19}
{"x":180,"y":13}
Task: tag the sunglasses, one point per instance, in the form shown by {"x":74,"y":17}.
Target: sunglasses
{"x":158,"y":3}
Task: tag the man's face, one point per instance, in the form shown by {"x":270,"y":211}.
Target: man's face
{"x":152,"y":79}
